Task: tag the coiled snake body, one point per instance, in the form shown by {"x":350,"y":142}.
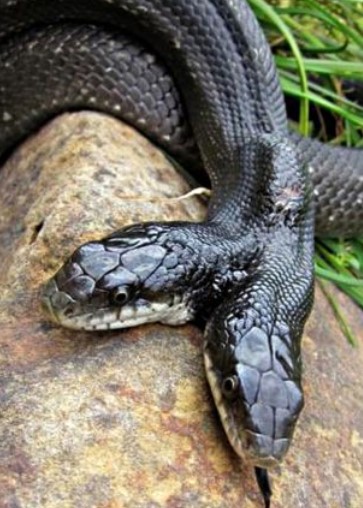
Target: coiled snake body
{"x":250,"y":262}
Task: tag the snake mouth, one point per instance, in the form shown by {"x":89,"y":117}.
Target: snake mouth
{"x":254,"y":448}
{"x":77,"y":315}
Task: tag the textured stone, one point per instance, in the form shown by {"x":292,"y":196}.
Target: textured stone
{"x":125,"y":419}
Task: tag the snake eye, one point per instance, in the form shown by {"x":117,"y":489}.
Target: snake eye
{"x":121,"y":295}
{"x":229,"y":386}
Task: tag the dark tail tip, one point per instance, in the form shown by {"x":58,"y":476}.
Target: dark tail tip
{"x":264,"y":485}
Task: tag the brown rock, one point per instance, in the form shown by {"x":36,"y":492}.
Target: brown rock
{"x":125,"y":419}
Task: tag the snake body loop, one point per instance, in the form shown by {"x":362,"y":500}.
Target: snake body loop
{"x":248,"y":268}
{"x":140,"y":90}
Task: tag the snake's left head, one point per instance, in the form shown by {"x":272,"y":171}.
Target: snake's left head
{"x":254,"y":375}
{"x":140,"y":274}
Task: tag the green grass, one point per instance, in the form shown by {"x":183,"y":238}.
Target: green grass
{"x":317,"y":44}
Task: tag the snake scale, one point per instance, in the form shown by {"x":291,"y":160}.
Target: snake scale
{"x":198,"y":78}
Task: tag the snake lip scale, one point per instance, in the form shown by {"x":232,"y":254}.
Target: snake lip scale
{"x":198,"y":78}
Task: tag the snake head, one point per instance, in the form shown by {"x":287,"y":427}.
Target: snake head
{"x":140,"y":274}
{"x":254,"y":373}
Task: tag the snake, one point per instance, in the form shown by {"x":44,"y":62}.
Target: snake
{"x":198,"y":78}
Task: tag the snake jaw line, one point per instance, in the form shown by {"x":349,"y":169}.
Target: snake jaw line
{"x":172,"y":311}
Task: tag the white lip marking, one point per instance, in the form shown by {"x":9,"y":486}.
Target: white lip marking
{"x":174,"y":312}
{"x":227,"y":421}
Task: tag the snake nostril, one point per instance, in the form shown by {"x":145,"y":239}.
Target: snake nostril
{"x":68,"y":312}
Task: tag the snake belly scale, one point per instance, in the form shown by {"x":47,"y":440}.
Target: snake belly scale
{"x":198,"y":77}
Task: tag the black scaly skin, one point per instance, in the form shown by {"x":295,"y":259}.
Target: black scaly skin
{"x":337,"y":176}
{"x":248,"y":269}
{"x":139,"y":89}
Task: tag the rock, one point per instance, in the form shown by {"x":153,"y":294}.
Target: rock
{"x":125,"y":419}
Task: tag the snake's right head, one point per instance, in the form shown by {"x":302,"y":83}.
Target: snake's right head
{"x":141,"y":274}
{"x":254,"y":373}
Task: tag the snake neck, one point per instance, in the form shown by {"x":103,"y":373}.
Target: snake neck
{"x":274,"y":199}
